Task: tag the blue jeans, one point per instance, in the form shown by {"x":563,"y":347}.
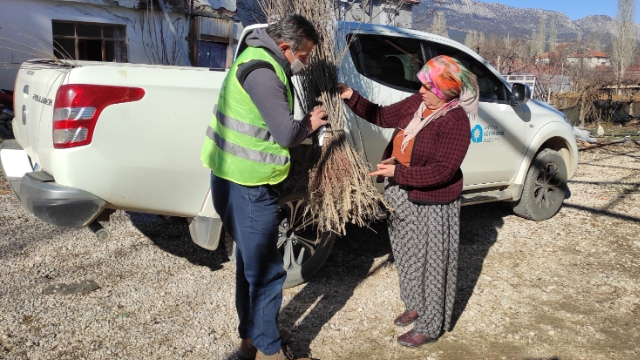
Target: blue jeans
{"x":251,"y":216}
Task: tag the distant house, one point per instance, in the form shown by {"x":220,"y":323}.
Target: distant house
{"x":198,"y":32}
{"x":544,"y":58}
{"x":589,"y":58}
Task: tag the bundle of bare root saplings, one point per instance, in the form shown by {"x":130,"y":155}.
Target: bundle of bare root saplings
{"x":336,"y":179}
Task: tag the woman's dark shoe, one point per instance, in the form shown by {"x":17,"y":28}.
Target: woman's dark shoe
{"x":406,"y":318}
{"x":414,"y":339}
{"x":248,"y":352}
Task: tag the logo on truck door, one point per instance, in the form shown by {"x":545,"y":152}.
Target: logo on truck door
{"x":42,"y":99}
{"x":488,"y":134}
{"x":476,"y":134}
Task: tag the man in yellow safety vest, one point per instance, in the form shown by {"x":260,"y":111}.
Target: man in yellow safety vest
{"x":247,"y":149}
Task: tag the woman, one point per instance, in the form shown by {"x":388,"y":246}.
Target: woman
{"x":423,"y":187}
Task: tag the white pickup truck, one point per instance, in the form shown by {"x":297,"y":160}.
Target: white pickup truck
{"x":95,"y":137}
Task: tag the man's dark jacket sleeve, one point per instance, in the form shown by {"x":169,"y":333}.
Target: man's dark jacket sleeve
{"x":269,"y":95}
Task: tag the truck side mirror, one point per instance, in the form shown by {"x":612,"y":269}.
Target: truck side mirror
{"x":520,"y":94}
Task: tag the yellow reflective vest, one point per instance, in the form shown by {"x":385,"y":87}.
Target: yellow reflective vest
{"x":239,"y":146}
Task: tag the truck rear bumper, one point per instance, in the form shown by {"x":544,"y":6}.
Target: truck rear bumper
{"x":42,"y":196}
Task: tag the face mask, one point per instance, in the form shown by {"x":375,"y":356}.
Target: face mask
{"x":297,"y":65}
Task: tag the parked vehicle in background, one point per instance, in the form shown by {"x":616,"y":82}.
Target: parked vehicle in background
{"x":95,"y":137}
{"x":6,"y":114}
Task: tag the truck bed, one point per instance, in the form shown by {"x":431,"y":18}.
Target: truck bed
{"x":144,"y":155}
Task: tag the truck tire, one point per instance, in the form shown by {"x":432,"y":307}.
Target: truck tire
{"x":304,"y":250}
{"x":6,"y":130}
{"x":544,"y":187}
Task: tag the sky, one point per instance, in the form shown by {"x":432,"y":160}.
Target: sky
{"x":574,"y":9}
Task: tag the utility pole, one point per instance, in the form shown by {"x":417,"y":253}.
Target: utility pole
{"x":562,"y":77}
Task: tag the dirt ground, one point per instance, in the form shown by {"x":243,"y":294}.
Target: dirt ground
{"x":565,"y":288}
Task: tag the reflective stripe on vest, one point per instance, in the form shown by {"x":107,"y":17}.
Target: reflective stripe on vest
{"x":240,"y":126}
{"x":239,"y":146}
{"x":245,"y":153}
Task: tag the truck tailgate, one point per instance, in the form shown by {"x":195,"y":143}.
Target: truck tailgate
{"x":36,"y":85}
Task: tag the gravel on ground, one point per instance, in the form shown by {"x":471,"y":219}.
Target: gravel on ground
{"x":565,"y":288}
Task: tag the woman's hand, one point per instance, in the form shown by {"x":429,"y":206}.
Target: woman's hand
{"x":344,"y":90}
{"x":384,"y":170}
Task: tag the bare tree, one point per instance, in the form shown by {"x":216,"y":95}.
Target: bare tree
{"x":473,"y":40}
{"x":506,"y":53}
{"x":336,"y":176}
{"x":553,"y":35}
{"x":160,"y":45}
{"x":624,"y":44}
{"x":594,"y":40}
{"x":251,"y":10}
{"x":389,"y":10}
{"x":439,"y":25}
{"x":532,"y":47}
{"x":588,"y":82}
{"x":424,"y":17}
{"x":539,"y":42}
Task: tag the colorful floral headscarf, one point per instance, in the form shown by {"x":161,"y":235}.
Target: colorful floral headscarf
{"x":449,"y":80}
{"x":446,"y":77}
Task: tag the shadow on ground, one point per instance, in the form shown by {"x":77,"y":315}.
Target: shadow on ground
{"x":354,"y":255}
{"x":172,"y":236}
{"x":479,"y":226}
{"x":329,"y":290}
{"x":348,"y":265}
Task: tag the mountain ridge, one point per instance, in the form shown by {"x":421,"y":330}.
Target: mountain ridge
{"x":463,"y":16}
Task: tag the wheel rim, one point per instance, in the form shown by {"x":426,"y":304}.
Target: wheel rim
{"x":549,"y":190}
{"x":298,"y":238}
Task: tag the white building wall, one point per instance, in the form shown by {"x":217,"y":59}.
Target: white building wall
{"x":25,"y":30}
{"x":132,"y":4}
{"x":217,"y":4}
{"x":590,"y":62}
{"x":401,"y":18}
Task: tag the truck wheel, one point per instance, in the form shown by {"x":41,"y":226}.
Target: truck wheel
{"x":304,"y":250}
{"x":544,"y":187}
{"x":6,"y":130}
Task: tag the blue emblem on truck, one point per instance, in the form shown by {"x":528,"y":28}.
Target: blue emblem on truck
{"x":476,"y":134}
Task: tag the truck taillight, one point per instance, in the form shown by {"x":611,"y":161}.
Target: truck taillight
{"x":78,"y":107}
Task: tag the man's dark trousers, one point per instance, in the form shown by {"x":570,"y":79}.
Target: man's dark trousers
{"x":251,"y":216}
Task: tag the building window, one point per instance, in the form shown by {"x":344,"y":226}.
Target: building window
{"x":212,"y":54}
{"x":89,"y":41}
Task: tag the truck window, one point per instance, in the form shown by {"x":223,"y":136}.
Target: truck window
{"x":492,"y":89}
{"x":391,"y":61}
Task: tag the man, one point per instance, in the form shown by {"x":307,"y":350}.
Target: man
{"x":247,"y":149}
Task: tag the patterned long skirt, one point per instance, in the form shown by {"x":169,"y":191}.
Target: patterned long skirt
{"x":424,"y":241}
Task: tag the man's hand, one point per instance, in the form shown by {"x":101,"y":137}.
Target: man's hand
{"x":345,"y":91}
{"x":315,"y":119}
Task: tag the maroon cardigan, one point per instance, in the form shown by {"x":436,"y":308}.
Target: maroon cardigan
{"x":434,"y":175}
